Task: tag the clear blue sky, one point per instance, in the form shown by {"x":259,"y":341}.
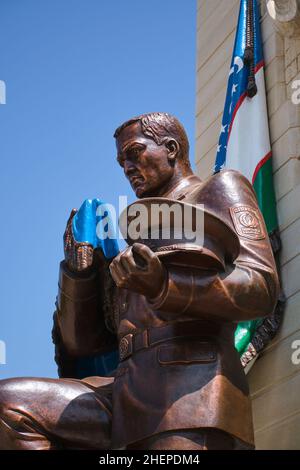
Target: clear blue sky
{"x":74,"y":70}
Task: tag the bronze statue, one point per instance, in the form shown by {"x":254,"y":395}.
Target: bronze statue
{"x":179,"y":383}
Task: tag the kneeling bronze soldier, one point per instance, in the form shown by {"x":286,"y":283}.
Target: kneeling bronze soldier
{"x":179,"y":383}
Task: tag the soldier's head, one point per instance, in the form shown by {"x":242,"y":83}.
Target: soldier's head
{"x":152,"y":149}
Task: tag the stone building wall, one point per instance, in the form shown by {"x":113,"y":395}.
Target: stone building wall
{"x":274,"y":380}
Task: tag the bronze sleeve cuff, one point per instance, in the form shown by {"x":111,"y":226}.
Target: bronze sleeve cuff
{"x":80,"y":313}
{"x":176,"y":296}
{"x":77,"y":286}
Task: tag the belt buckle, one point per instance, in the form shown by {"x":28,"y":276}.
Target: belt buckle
{"x":125,"y":346}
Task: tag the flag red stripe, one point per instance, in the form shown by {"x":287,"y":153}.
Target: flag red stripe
{"x":260,"y":164}
{"x":259,"y":66}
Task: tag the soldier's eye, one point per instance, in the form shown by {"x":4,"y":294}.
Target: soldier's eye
{"x":134,"y":151}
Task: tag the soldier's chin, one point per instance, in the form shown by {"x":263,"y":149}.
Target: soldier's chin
{"x":140,"y":191}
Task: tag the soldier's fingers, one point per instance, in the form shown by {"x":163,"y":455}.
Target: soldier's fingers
{"x":127,"y":261}
{"x":118,"y":274}
{"x":143,"y":250}
{"x":117,"y":259}
{"x":73,"y":212}
{"x":119,"y":280}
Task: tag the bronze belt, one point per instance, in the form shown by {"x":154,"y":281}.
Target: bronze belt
{"x":133,"y":342}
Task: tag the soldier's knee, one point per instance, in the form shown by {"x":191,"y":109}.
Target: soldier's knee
{"x":6,"y":392}
{"x":16,"y":423}
{"x":13,"y":395}
{"x":17,"y":401}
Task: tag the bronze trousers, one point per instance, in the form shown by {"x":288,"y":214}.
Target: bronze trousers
{"x":50,"y":414}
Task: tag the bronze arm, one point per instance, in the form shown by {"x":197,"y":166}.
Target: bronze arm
{"x":249,"y":287}
{"x":85,"y":317}
{"x":243,"y":292}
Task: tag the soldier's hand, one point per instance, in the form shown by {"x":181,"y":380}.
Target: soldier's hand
{"x":78,"y":255}
{"x":139,"y":269}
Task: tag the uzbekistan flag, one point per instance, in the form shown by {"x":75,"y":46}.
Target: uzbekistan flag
{"x":244,"y":142}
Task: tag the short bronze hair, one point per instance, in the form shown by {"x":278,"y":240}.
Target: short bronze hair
{"x":159,"y":126}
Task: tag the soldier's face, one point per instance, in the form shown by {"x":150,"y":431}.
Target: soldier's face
{"x":145,"y":164}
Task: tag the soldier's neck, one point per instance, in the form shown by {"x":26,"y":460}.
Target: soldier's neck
{"x":179,"y":175}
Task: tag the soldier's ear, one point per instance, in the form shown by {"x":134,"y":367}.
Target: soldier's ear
{"x":173,"y":149}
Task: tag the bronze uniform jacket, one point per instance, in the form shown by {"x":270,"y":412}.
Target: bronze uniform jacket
{"x":183,"y":383}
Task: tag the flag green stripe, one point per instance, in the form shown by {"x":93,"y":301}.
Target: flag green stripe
{"x":264,"y":189}
{"x":243,"y":334}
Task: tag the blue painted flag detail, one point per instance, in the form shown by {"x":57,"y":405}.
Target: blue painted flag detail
{"x":89,"y":224}
{"x":86,"y":228}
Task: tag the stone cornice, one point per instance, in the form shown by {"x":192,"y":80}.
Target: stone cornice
{"x":286,"y":15}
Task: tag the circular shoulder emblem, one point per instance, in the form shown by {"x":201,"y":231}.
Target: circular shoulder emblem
{"x":247,"y":222}
{"x":123,"y":348}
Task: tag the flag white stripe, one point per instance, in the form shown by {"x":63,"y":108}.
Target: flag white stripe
{"x":249,"y":140}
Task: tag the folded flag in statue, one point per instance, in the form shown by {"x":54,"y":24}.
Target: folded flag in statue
{"x":88,"y":225}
